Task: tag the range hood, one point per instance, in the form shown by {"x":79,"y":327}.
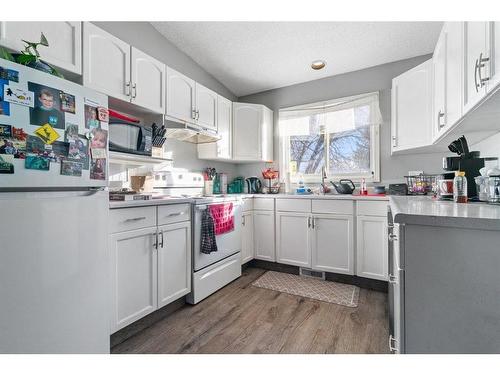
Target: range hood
{"x":186,"y":132}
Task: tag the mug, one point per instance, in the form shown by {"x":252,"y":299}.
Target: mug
{"x":445,"y":188}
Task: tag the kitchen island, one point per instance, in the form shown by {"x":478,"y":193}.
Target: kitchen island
{"x":444,"y":261}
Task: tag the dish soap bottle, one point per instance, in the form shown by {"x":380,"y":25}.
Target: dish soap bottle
{"x":460,"y":187}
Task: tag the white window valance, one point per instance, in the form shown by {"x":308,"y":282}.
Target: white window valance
{"x":331,"y":116}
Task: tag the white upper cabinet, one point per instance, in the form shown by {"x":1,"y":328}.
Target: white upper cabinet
{"x":411,"y":124}
{"x":180,"y":96}
{"x":252,"y":132}
{"x":332,"y":248}
{"x":148,"y":81}
{"x":65,"y":41}
{"x":439,"y":71}
{"x":448,"y":78}
{"x":106,"y":65}
{"x":121,"y":71}
{"x":454,"y":71}
{"x":476,"y":63}
{"x":494,"y":45}
{"x":206,"y":107}
{"x":222,"y":149}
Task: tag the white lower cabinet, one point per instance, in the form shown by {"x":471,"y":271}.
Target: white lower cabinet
{"x":247,"y":237}
{"x":292,"y":238}
{"x":372,"y":249}
{"x":150,"y":267}
{"x":332,"y":247}
{"x":263,"y":222}
{"x":174,"y":262}
{"x":133,"y":275}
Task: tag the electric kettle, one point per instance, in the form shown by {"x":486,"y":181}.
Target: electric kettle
{"x":344,"y":186}
{"x":254,"y":185}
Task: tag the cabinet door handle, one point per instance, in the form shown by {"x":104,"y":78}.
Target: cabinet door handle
{"x":394,"y":143}
{"x":476,"y":68}
{"x":392,"y":237}
{"x":197,"y":114}
{"x":174,"y":214}
{"x":155,"y":243}
{"x":439,"y":117}
{"x":134,"y":90}
{"x":136,"y":219}
{"x":161,"y":239}
{"x":127,"y":89}
{"x":392,"y":279}
{"x":309,"y":222}
{"x":392,"y":348}
{"x":482,"y":81}
{"x":313,"y":222}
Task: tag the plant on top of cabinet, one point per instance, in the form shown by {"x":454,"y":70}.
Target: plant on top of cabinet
{"x":31,"y":57}
{"x":65,"y":51}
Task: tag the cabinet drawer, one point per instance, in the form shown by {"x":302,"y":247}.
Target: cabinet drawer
{"x":247,"y":204}
{"x":323,"y":206}
{"x":293,"y":205}
{"x":266,"y":204}
{"x":174,"y":213}
{"x":123,"y":219}
{"x":372,"y":208}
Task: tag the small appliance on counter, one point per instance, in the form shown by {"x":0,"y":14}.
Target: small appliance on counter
{"x":344,"y":186}
{"x":271,"y":176}
{"x":254,"y":185}
{"x":466,"y":161}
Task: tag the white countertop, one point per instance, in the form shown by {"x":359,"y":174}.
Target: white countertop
{"x":423,"y":210}
{"x":151,"y":202}
{"x":162,"y":201}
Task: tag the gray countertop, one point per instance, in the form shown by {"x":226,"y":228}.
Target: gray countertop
{"x":157,"y":202}
{"x":423,"y":210}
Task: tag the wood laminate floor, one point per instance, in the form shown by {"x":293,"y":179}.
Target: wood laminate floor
{"x":241,"y":318}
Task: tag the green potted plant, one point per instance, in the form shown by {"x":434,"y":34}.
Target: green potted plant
{"x":30,"y":56}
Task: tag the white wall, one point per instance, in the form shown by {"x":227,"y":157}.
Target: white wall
{"x":378,"y":78}
{"x":489,"y":147}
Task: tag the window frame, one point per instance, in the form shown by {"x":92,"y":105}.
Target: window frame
{"x":374,"y":176}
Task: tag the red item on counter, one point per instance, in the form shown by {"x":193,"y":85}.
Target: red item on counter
{"x":121,"y":116}
{"x":223,"y":216}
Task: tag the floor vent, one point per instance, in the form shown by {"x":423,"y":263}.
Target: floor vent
{"x":311,"y":273}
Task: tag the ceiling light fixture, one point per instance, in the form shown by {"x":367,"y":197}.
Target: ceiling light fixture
{"x":318,"y":64}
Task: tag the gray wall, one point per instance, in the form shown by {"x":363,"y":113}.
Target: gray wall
{"x":145,"y":37}
{"x":378,"y":78}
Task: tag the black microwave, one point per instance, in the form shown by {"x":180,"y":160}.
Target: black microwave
{"x":129,"y":137}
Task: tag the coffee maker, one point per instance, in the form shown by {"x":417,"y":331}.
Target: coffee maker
{"x":466,"y":161}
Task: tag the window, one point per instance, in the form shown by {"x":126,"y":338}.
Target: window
{"x":340,"y":135}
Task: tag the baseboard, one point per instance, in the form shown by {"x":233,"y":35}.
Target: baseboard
{"x":127,"y":332}
{"x":362,"y":282}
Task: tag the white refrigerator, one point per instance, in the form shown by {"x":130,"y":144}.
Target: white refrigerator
{"x":53,"y":215}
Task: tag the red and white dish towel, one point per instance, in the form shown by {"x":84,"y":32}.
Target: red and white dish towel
{"x":223,"y":216}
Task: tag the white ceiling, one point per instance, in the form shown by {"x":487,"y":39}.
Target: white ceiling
{"x":250,"y":57}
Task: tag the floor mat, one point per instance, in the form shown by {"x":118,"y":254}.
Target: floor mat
{"x":327,"y":291}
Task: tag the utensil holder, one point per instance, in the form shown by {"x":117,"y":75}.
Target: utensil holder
{"x":209,"y":187}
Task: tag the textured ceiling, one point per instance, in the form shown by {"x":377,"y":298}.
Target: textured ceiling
{"x":249,"y":57}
